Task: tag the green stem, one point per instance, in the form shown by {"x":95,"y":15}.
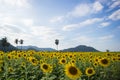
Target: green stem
{"x":6,"y":71}
{"x":26,"y":73}
{"x":26,"y":76}
{"x":88,"y":78}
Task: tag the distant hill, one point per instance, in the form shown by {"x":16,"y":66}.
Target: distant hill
{"x":35,"y":48}
{"x":81,"y":48}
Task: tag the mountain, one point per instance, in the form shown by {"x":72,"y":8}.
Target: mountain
{"x":81,"y":48}
{"x":35,"y":48}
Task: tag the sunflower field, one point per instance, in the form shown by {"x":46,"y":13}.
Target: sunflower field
{"x":31,"y":65}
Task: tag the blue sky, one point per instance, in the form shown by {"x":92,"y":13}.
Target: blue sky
{"x":93,"y":23}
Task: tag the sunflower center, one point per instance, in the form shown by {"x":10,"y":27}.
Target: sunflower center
{"x":104,"y":61}
{"x":118,"y":55}
{"x":33,"y":60}
{"x":63,"y":61}
{"x":8,"y":57}
{"x":45,"y":66}
{"x":96,"y":60}
{"x":119,"y":59}
{"x":90,"y":71}
{"x":70,"y":56}
{"x":19,"y":55}
{"x":95,"y":64}
{"x":73,"y":61}
{"x":73,"y":70}
{"x":24,"y":55}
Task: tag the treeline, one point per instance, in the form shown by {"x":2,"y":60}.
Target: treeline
{"x":6,"y":46}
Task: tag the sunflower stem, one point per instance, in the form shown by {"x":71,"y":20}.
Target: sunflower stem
{"x":88,"y":78}
{"x":26,"y":73}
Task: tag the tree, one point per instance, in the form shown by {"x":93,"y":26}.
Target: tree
{"x":5,"y":43}
{"x":16,"y":42}
{"x":21,"y":42}
{"x":57,"y":42}
{"x":107,"y":50}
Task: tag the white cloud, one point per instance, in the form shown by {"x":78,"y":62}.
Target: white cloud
{"x":1,"y":14}
{"x":8,"y":24}
{"x":80,"y":10}
{"x":86,"y":9}
{"x":16,"y":21}
{"x":44,"y":35}
{"x":70,"y":27}
{"x":57,"y":19}
{"x":115,"y":15}
{"x":108,"y":37}
{"x":97,"y":6}
{"x":103,"y":1}
{"x":27,"y":22}
{"x":24,"y":28}
{"x":12,"y":32}
{"x":10,"y":28}
{"x":15,"y":3}
{"x":8,"y":20}
{"x":115,"y":4}
{"x":41,"y":30}
{"x":104,"y":24}
{"x":82,"y":24}
{"x":45,"y":32}
{"x":83,"y":39}
{"x":34,"y":35}
{"x":91,"y":21}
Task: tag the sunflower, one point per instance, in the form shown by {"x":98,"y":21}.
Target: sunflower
{"x":90,"y":60}
{"x":72,"y":71}
{"x":10,"y":69}
{"x":108,"y":54}
{"x":1,"y":53}
{"x":24,"y":55}
{"x":46,"y":68}
{"x":89,"y":71}
{"x":41,"y":61}
{"x":73,"y":61}
{"x":50,"y":56}
{"x":96,"y":59}
{"x":15,"y":57}
{"x":1,"y":61}
{"x":90,"y":56}
{"x":1,"y":69}
{"x":34,"y":61}
{"x":70,"y":56}
{"x":79,"y":59}
{"x":104,"y":62}
{"x":19,"y":55}
{"x":95,"y":64}
{"x":118,"y":55}
{"x":118,"y":58}
{"x":114,"y":58}
{"x":62,"y":61}
{"x":30,"y":59}
{"x":23,"y":64}
{"x":9,"y":56}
